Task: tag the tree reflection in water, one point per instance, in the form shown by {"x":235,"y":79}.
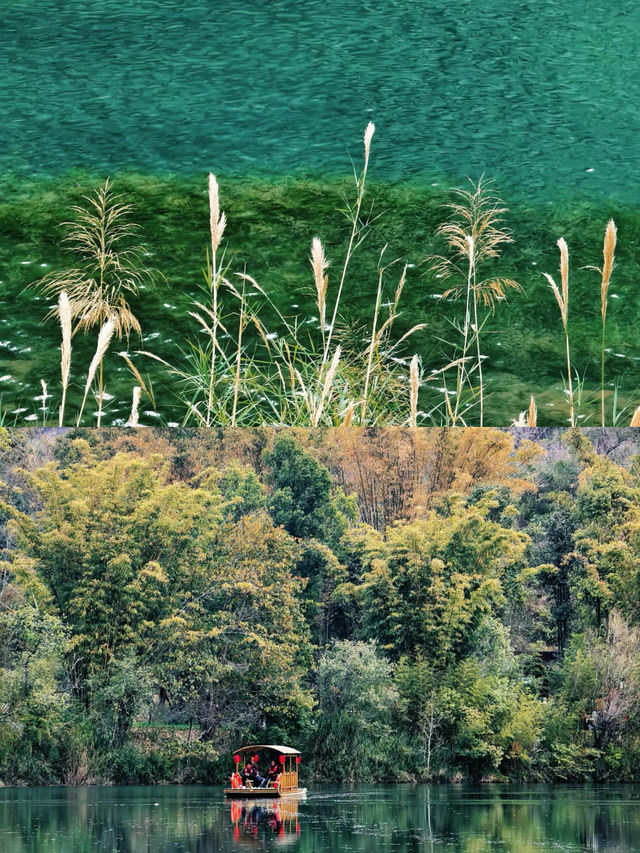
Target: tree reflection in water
{"x":361,"y":818}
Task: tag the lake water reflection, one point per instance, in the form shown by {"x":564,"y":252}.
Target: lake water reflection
{"x":196,"y":819}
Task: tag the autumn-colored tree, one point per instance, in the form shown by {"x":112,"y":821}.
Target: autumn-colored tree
{"x":395,"y":472}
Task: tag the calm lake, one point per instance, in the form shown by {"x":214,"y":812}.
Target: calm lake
{"x":540,"y":96}
{"x":190,"y":819}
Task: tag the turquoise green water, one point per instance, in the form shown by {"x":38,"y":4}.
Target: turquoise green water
{"x":539,"y":96}
{"x":402,"y":819}
{"x":536,"y":94}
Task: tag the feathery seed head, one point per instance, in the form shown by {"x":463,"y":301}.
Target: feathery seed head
{"x":368,"y":134}
{"x":326,"y":388}
{"x":319,"y":265}
{"x":217,"y":221}
{"x":564,"y":272}
{"x":135,"y":402}
{"x":558,"y":296}
{"x":104,"y":339}
{"x":608,"y":253}
{"x":414,"y":381}
{"x":65,"y":314}
{"x":348,"y":415}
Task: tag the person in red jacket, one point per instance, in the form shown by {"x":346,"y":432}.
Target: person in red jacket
{"x":275,"y":769}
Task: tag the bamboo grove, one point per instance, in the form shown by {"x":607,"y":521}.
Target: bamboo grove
{"x":405,"y":605}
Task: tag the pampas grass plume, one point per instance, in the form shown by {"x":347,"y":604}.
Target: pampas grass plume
{"x":414,"y":379}
{"x":348,"y":415}
{"x":368,"y":135}
{"x":319,"y":265}
{"x":217,"y":221}
{"x":133,"y":417}
{"x":608,"y":251}
{"x":65,"y":314}
{"x":104,"y":339}
{"x":564,"y":271}
{"x":326,"y":388}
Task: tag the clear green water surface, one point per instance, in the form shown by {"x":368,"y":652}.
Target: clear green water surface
{"x":403,"y":819}
{"x":536,"y":94}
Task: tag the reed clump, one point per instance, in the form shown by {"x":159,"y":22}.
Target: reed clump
{"x":110,"y":269}
{"x":574,"y":384}
{"x":247,"y":361}
{"x":291,"y":375}
{"x":474,"y":234}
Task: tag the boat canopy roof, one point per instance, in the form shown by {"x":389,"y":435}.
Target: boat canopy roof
{"x":283,"y":750}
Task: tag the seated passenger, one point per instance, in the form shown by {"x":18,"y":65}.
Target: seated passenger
{"x":247,"y":772}
{"x":259,"y":780}
{"x":275,"y":769}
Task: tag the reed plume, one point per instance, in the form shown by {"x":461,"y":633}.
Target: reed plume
{"x":474,"y":234}
{"x":348,"y":415}
{"x":217,"y":220}
{"x":319,"y":264}
{"x":368,"y":136}
{"x":104,"y":339}
{"x":355,"y":238}
{"x":562,"y":298}
{"x":608,"y":255}
{"x":414,"y":383}
{"x":135,"y":402}
{"x":65,"y":313}
{"x":532,"y":418}
{"x":45,"y":397}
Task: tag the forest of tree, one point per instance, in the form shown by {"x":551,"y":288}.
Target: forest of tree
{"x":398,"y":604}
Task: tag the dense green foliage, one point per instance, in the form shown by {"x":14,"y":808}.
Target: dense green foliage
{"x":166,"y":595}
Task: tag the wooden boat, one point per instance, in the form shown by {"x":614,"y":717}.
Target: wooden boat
{"x":286,"y":783}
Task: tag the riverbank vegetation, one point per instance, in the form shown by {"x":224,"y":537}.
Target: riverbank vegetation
{"x":399,"y":604}
{"x":414,"y":310}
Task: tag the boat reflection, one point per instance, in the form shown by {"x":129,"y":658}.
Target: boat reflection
{"x":254,"y":821}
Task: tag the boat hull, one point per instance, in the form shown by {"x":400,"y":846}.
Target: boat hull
{"x":261,"y":793}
